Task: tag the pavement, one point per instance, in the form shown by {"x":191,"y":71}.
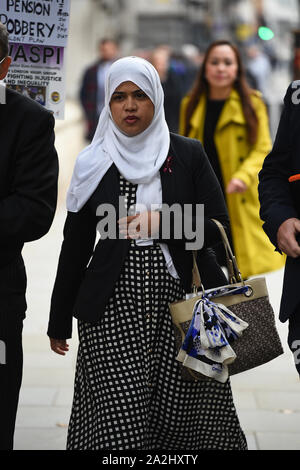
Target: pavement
{"x":267,"y":398}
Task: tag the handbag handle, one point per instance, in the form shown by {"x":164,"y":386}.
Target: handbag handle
{"x":232,"y":266}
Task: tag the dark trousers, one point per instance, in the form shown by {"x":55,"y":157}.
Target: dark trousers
{"x":11,"y":366}
{"x":294,"y":337}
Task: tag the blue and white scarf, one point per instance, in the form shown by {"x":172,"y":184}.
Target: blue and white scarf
{"x":207,"y":345}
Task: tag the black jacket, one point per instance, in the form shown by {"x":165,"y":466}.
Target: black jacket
{"x":277,"y":197}
{"x":173,"y":94}
{"x":28,"y":189}
{"x":84,"y":291}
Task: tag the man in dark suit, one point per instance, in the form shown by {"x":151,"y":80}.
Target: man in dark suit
{"x":280,"y":209}
{"x":92,"y":86}
{"x":172,"y":84}
{"x":28,"y":194}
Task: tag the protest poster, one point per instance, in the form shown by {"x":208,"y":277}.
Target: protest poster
{"x":38,"y":33}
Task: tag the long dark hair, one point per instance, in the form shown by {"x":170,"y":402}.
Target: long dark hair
{"x":201,"y":86}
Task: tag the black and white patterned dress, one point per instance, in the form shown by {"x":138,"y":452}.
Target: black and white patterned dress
{"x":129,"y":393}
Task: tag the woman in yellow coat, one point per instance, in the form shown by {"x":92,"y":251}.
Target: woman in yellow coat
{"x":231,"y":120}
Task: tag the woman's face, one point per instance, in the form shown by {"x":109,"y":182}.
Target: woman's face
{"x":131,"y":109}
{"x":221,"y":67}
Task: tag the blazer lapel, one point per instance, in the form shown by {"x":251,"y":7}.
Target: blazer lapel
{"x":168,"y":177}
{"x":231,"y":112}
{"x":3,"y":106}
{"x":108,"y":191}
{"x":197,"y":120}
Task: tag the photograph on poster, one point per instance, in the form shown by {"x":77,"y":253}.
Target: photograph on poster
{"x":38,"y":33}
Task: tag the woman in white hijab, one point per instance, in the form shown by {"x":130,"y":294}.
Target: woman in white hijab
{"x":129,"y":389}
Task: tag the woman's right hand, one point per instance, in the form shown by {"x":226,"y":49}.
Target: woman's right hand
{"x":286,"y":237}
{"x":236,"y":185}
{"x":59,"y":346}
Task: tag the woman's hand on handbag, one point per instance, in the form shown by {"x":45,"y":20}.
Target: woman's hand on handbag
{"x":143,"y":225}
{"x":286,"y":237}
{"x":59,"y":346}
{"x":236,"y":185}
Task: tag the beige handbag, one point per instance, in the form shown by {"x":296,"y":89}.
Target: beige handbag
{"x":258,"y":344}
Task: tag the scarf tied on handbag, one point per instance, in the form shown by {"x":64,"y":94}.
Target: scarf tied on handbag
{"x":207,"y":347}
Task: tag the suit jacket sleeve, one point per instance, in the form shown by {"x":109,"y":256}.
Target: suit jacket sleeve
{"x":76,"y":251}
{"x":27,"y":212}
{"x":274,"y":191}
{"x":208,"y":192}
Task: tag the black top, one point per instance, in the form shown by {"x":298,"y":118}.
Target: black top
{"x":213,"y":111}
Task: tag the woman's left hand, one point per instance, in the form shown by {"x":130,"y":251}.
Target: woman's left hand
{"x":59,"y":346}
{"x":236,"y":185}
{"x":143,"y":225}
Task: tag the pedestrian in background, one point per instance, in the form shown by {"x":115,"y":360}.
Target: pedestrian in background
{"x":92,"y":86}
{"x":279,"y":192}
{"x":193,"y":59}
{"x":259,"y":66}
{"x":231,"y":121}
{"x":28,"y":193}
{"x":129,"y":390}
{"x":171,"y":83}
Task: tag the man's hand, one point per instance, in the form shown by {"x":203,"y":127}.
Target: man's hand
{"x":59,"y":346}
{"x":286,"y":237}
{"x":143,"y":225}
{"x":236,"y":185}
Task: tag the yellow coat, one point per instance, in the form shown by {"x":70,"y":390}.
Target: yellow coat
{"x":238,"y":159}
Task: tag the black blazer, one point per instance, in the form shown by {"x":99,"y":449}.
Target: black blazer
{"x":275,"y":192}
{"x":84,"y":291}
{"x":28,"y":189}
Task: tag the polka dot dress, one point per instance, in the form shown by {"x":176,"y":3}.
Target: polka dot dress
{"x":129,"y":393}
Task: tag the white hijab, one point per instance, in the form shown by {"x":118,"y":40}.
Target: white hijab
{"x":137,"y":158}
